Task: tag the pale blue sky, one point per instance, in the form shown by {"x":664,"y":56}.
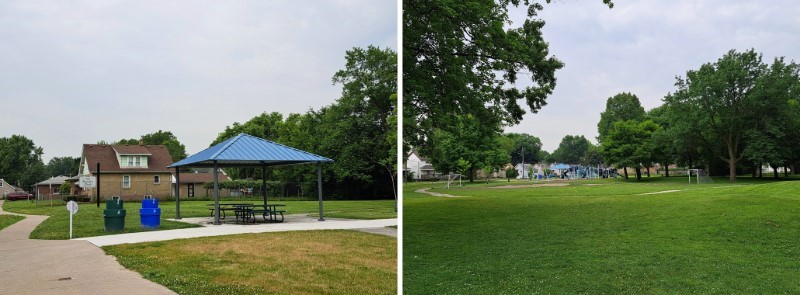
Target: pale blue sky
{"x":77,"y":72}
{"x":640,"y":46}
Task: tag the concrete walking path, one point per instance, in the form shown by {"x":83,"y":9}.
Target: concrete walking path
{"x":62,"y":267}
{"x":293,"y":223}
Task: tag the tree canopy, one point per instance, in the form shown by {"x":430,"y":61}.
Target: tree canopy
{"x":21,"y":161}
{"x":358,"y":131}
{"x":741,"y":108}
{"x":177,"y":150}
{"x":465,"y":58}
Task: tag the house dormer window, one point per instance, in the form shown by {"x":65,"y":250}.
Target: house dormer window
{"x":130,"y":161}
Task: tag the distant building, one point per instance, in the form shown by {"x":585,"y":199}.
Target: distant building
{"x":6,"y":187}
{"x":49,"y":186}
{"x":524,"y":172}
{"x":419,"y":167}
{"x":191,"y":183}
{"x":128,"y":171}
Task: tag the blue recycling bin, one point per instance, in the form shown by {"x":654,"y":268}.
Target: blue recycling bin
{"x":150,"y":214}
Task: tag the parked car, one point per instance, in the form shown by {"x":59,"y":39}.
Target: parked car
{"x":13,"y":196}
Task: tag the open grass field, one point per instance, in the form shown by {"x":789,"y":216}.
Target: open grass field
{"x":7,"y":220}
{"x":307,"y":262}
{"x":88,"y":222}
{"x":604,"y":237}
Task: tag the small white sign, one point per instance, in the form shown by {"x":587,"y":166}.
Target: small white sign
{"x":87,"y":181}
{"x":72,"y":207}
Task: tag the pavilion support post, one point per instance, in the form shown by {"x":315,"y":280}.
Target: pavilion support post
{"x":177,"y":193}
{"x":264,"y":183}
{"x":319,"y":190}
{"x":216,"y":195}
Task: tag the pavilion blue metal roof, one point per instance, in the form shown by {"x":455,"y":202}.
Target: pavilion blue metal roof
{"x":247,"y":150}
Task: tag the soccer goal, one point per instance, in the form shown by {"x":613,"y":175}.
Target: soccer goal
{"x":452,"y":178}
{"x":700,"y":176}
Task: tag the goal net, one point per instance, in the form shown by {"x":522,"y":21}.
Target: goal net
{"x":700,"y":176}
{"x":452,"y":178}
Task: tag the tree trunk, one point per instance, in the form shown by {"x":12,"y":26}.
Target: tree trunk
{"x":471,"y":173}
{"x":638,"y":173}
{"x":666,"y":170}
{"x":731,"y":163}
{"x":754,"y":171}
{"x":775,"y":172}
{"x":625,"y":169}
{"x":648,"y":172}
{"x":785,"y":172}
{"x":760,"y":172}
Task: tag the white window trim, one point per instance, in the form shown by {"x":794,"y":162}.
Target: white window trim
{"x":156,"y":179}
{"x":123,"y":181}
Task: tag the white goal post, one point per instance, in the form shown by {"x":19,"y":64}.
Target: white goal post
{"x":700,"y":176}
{"x":452,"y":178}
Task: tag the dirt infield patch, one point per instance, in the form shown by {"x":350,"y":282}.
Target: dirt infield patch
{"x":425,"y":191}
{"x":531,"y":185}
{"x":661,"y":192}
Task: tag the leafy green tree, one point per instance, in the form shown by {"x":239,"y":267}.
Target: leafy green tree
{"x":510,"y":173}
{"x":593,"y":155}
{"x":464,"y":58}
{"x":739,"y":101}
{"x":64,"y":189}
{"x":358,"y":131}
{"x":67,"y":166}
{"x":177,"y":151}
{"x":621,"y":107}
{"x":572,"y":150}
{"x":466,"y":149}
{"x":628,"y":144}
{"x":21,"y":161}
{"x":529,"y":144}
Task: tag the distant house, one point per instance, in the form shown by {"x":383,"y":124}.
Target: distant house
{"x":524,"y":172}
{"x":48,"y":187}
{"x":6,"y":187}
{"x":128,"y":171}
{"x":192,"y":182}
{"x":419,"y":167}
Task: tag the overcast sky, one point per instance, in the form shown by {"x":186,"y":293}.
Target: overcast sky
{"x":640,"y":46}
{"x":75,"y":72}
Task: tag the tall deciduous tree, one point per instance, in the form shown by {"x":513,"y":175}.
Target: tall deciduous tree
{"x":466,"y":149}
{"x":20,"y":161}
{"x":621,"y":107}
{"x":525,"y":147}
{"x":572,"y":150}
{"x":67,"y":166}
{"x":465,"y":58}
{"x":720,"y":97}
{"x":628,"y":144}
{"x":177,"y":150}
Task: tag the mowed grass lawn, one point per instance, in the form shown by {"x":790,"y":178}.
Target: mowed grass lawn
{"x":604,"y":237}
{"x":7,"y":220}
{"x":89,"y":220}
{"x":306,"y":262}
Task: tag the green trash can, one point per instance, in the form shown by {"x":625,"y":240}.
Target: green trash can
{"x":114,"y":215}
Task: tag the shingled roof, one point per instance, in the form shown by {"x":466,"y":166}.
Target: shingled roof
{"x":106,"y":155}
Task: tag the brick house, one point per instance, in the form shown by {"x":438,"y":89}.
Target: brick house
{"x":128,"y":171}
{"x":49,"y":187}
{"x":192,"y":184}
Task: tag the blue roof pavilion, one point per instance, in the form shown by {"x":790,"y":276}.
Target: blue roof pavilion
{"x":246,"y":150}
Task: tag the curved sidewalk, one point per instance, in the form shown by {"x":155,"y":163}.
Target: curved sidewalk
{"x":62,"y":267}
{"x":293,"y":223}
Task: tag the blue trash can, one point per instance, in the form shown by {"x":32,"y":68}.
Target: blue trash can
{"x":150,"y":214}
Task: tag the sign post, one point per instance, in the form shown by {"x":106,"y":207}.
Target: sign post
{"x":72,"y":207}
